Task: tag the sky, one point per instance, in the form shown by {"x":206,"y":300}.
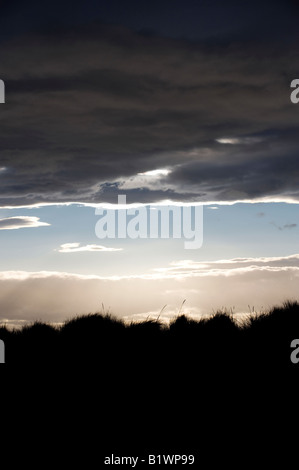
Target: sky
{"x":175,"y":104}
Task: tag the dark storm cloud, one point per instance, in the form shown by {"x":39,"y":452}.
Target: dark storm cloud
{"x":88,"y":108}
{"x":190,"y":19}
{"x":260,"y":170}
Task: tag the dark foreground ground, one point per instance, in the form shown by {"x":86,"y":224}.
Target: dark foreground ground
{"x":95,"y":387}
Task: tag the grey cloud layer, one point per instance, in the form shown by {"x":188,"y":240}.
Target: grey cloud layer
{"x":87,"y":111}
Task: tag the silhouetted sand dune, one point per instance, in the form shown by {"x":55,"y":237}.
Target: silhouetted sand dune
{"x":215,"y":343}
{"x":207,"y":387}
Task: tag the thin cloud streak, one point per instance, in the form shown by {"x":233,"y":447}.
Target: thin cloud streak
{"x":15,"y":223}
{"x":75,"y":248}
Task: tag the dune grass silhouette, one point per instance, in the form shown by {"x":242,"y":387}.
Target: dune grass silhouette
{"x":216,"y":342}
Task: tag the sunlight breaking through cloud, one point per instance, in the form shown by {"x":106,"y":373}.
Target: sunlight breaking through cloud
{"x":159,"y":172}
